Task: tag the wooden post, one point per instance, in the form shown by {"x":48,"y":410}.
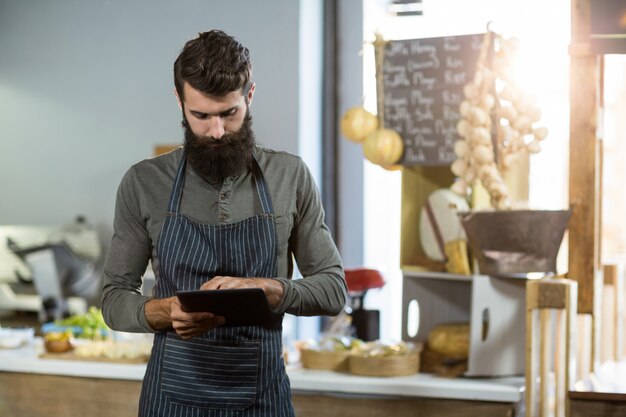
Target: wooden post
{"x":584,"y":177}
{"x":612,"y":308}
{"x":542,"y":296}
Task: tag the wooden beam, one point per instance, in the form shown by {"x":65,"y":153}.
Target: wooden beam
{"x":584,"y":178}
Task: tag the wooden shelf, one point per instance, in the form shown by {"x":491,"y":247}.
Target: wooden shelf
{"x":417,"y":184}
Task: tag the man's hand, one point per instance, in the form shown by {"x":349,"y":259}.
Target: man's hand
{"x":167,"y":313}
{"x":272,"y":288}
{"x":188,"y":325}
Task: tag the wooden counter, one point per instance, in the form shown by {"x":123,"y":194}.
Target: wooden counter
{"x":601,"y":394}
{"x":31,"y":386}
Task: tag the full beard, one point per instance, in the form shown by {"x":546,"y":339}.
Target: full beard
{"x":217,"y":159}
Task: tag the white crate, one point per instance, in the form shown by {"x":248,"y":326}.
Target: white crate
{"x":498,"y":304}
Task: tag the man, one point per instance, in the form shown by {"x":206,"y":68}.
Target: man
{"x":218,"y":213}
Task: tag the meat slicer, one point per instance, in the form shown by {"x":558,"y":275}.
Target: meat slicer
{"x":55,"y":271}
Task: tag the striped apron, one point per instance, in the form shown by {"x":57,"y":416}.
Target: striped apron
{"x":229,"y":371}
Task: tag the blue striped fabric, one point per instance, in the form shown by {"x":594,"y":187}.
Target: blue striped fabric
{"x":230,"y":371}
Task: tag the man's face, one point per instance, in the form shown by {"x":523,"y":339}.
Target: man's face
{"x":214,"y":116}
{"x":218,"y":133}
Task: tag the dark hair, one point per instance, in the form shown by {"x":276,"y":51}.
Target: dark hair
{"x":214,"y":63}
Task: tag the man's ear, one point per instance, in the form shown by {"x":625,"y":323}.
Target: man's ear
{"x":180,"y":103}
{"x":250,"y":94}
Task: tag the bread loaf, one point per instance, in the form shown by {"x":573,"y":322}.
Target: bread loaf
{"x":450,"y":340}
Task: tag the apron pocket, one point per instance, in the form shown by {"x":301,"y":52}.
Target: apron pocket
{"x":216,"y":374}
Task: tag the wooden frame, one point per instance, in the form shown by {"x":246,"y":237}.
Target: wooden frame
{"x":542,"y":296}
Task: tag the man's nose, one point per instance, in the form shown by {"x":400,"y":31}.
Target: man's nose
{"x":216,"y":127}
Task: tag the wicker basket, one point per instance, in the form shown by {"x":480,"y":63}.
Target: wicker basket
{"x":396,"y":365}
{"x":328,"y":360}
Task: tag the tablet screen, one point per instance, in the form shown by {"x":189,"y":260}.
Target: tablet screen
{"x":240,"y":307}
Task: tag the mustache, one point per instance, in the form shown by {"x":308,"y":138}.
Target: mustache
{"x":211,"y":141}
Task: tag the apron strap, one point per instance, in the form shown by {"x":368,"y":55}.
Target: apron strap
{"x":257,"y":178}
{"x":261,"y":187}
{"x":177,"y":189}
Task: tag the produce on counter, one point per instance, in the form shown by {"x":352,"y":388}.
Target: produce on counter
{"x":450,"y":340}
{"x":378,"y":349}
{"x":447,"y":350}
{"x":358,"y":357}
{"x":58,"y":342}
{"x":131,"y":350}
{"x":330,"y":353}
{"x":385,"y":359}
{"x":90,"y":325}
{"x":88,"y":337}
{"x":330,"y":344}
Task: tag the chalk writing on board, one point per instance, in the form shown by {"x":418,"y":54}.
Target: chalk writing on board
{"x":422,"y":81}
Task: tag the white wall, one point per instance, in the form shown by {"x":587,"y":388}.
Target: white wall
{"x":86,"y":90}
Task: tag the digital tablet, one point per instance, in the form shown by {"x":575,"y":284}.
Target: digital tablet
{"x":240,"y":307}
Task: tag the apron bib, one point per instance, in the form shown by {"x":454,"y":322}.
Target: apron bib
{"x":228,"y":371}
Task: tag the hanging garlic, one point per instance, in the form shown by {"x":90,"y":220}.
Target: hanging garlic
{"x":463,"y":128}
{"x":479,"y":136}
{"x":460,"y":148}
{"x":503,"y":204}
{"x":487,"y":102}
{"x":458,"y":167}
{"x":477,"y":116}
{"x":464,"y":108}
{"x":540,"y":133}
{"x":470,"y":175}
{"x":522,"y":124}
{"x":470,"y":91}
{"x":459,"y":187}
{"x":535,"y":114}
{"x":508,"y":160}
{"x":482,"y":156}
{"x":534,"y":147}
{"x":486,"y":171}
{"x":509,"y":93}
{"x":507,"y":112}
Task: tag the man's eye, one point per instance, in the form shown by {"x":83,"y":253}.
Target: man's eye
{"x":200,"y":116}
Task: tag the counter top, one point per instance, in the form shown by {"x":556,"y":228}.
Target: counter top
{"x":508,"y":389}
{"x":27,"y":360}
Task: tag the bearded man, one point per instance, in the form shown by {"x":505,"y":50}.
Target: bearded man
{"x":218,"y":213}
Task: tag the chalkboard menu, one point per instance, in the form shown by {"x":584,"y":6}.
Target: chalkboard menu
{"x":422,"y":88}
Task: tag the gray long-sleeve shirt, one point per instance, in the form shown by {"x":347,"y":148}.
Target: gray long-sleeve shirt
{"x":140,"y":208}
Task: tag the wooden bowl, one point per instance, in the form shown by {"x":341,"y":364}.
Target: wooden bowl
{"x":58,"y":346}
{"x":396,"y":365}
{"x":327,"y":360}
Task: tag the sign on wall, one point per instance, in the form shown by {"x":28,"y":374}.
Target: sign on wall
{"x":422,"y":87}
